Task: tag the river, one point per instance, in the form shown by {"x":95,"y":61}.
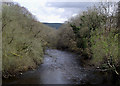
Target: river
{"x":59,"y":67}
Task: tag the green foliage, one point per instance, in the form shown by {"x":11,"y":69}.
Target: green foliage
{"x":104,"y":48}
{"x":66,"y":38}
{"x":95,"y":35}
{"x":23,"y":39}
{"x":90,"y":20}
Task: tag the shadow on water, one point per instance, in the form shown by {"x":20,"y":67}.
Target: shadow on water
{"x":59,"y":67}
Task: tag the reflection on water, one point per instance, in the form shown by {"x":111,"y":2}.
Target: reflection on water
{"x":59,"y":67}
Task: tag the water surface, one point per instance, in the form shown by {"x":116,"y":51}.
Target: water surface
{"x":59,"y":67}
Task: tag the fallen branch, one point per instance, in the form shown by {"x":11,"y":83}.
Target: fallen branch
{"x":113,"y":67}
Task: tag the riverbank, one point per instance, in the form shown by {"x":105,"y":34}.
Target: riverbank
{"x":105,"y":76}
{"x":62,"y":67}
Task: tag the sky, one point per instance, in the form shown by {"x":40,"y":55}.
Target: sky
{"x":55,"y":11}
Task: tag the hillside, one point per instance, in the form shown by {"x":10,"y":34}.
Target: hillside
{"x":92,"y":35}
{"x":23,"y":39}
{"x":53,"y":25}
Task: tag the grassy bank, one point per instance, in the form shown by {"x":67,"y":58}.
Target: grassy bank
{"x":23,"y":40}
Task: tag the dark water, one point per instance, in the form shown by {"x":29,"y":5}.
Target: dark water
{"x":59,"y":67}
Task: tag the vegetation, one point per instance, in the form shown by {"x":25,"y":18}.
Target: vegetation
{"x":23,"y":39}
{"x":94,"y":34}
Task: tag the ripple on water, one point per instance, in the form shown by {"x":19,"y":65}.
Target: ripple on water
{"x":59,"y":67}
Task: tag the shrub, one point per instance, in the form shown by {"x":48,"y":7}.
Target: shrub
{"x":104,"y":48}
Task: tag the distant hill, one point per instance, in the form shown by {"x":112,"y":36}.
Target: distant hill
{"x":54,"y":25}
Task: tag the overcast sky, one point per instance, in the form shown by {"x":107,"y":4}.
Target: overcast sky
{"x":55,"y":11}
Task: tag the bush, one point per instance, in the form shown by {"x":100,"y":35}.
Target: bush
{"x":104,"y":48}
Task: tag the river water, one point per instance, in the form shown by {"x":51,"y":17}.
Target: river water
{"x":59,"y":67}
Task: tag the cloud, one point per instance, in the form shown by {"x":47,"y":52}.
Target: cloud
{"x":53,"y":11}
{"x":69,"y":4}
